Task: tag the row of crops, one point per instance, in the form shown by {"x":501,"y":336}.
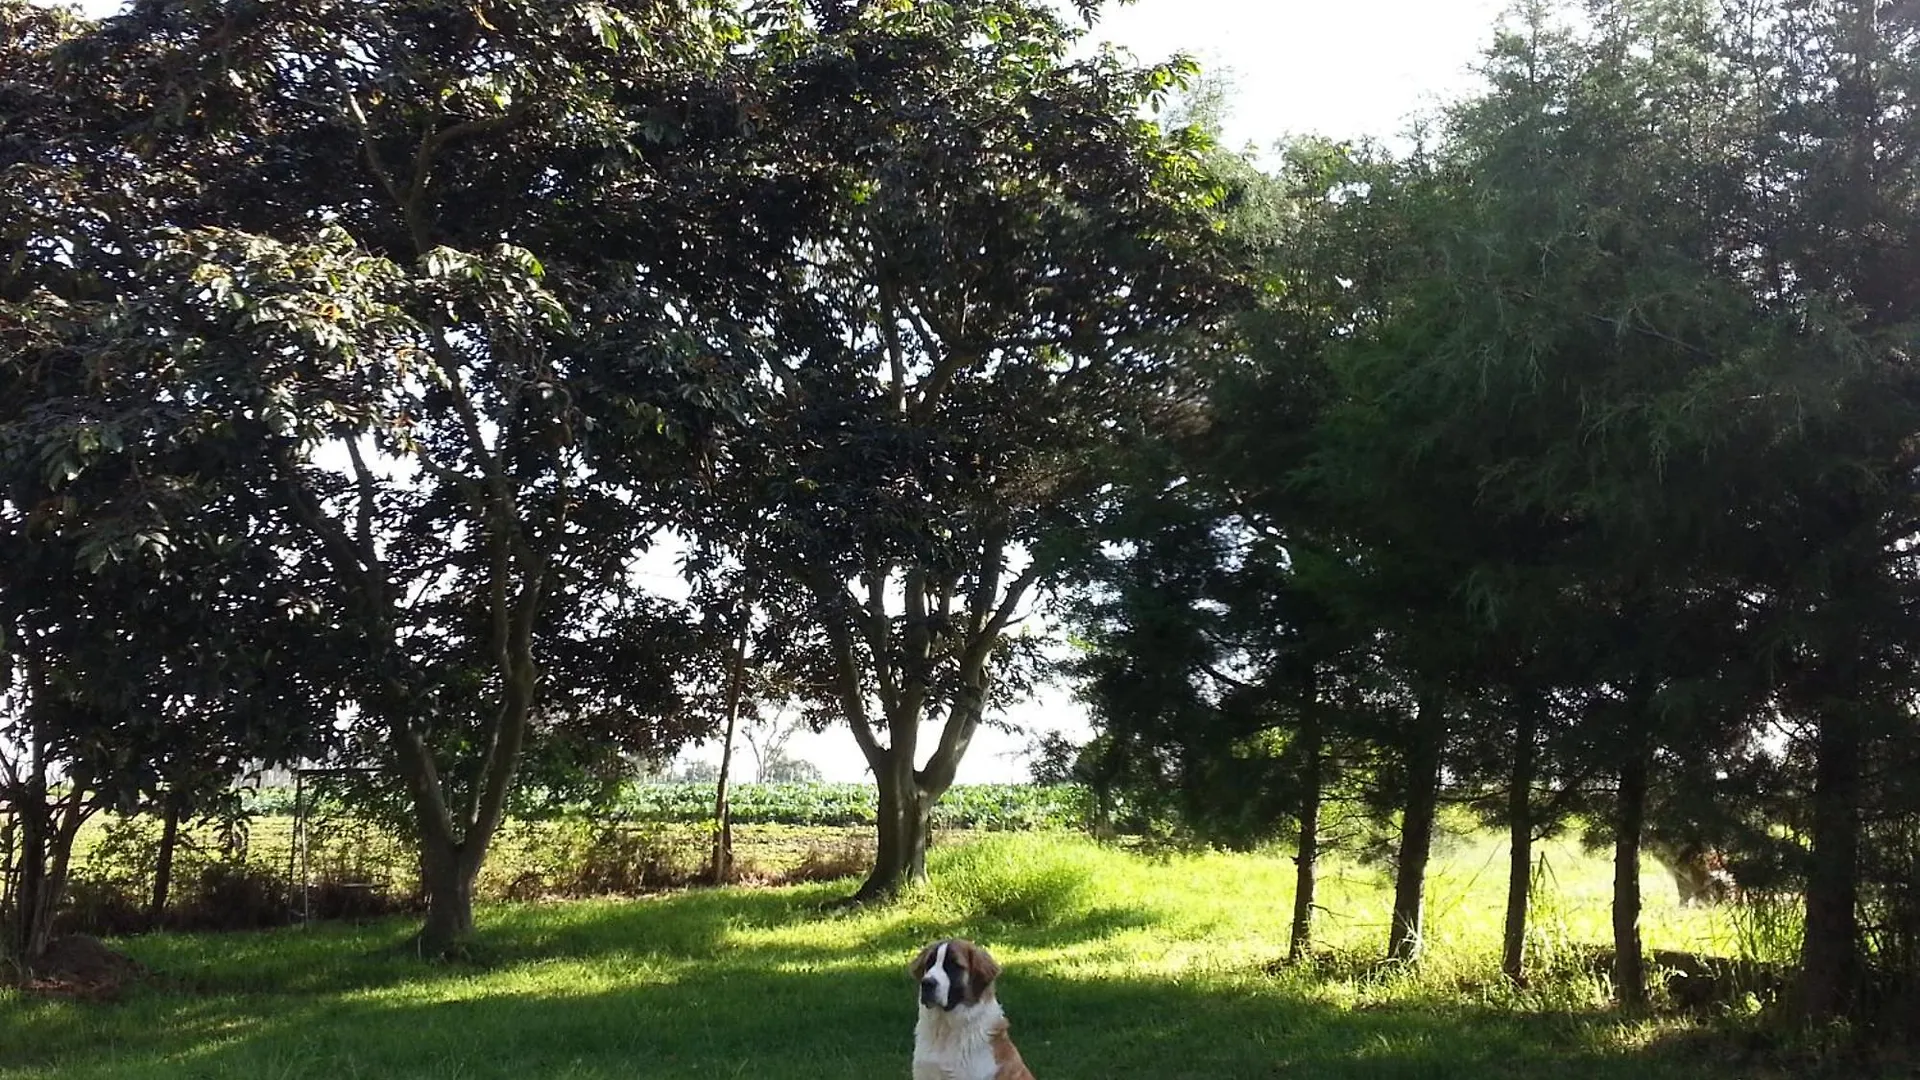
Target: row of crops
{"x":995,"y":807}
{"x":1005,"y":807}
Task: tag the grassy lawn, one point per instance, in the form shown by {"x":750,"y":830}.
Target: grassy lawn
{"x":1118,"y":965}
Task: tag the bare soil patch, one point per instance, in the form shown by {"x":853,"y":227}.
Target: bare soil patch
{"x":79,"y":966}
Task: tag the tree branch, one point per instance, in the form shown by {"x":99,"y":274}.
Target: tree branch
{"x":431,"y":813}
{"x":948,"y":361}
{"x":896,"y":351}
{"x":435,"y":141}
{"x":444,"y":359}
{"x":1010,"y":604}
{"x":520,"y":676}
{"x":847,"y":674}
{"x":364,"y":511}
{"x":877,"y":629}
{"x":409,"y":211}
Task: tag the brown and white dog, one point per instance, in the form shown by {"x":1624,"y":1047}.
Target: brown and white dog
{"x":962,"y":1034}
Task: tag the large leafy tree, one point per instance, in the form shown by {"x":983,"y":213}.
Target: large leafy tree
{"x":137,"y":666}
{"x":444,"y":300}
{"x":1019,"y":255}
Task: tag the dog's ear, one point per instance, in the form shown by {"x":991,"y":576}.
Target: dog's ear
{"x":923,"y":962}
{"x":981,"y":963}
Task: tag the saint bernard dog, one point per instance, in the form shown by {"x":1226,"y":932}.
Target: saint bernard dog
{"x":962,"y":1034}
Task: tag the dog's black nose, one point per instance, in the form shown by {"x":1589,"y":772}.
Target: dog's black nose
{"x":928,"y":988}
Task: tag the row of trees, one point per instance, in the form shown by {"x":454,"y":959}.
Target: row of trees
{"x":353,"y":355}
{"x":1568,"y":471}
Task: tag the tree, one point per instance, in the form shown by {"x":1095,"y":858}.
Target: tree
{"x":1752,"y":320}
{"x":443,"y":322}
{"x":139,"y":666}
{"x":1017,"y":256}
{"x":1225,"y":674}
{"x":773,"y":763}
{"x":1619,"y":352}
{"x":1837,"y":87}
{"x":1601,"y":443}
{"x":130,"y":686}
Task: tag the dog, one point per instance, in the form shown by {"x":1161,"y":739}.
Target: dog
{"x":962,"y":1034}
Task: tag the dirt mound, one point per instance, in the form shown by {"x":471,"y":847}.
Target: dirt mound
{"x":81,"y":966}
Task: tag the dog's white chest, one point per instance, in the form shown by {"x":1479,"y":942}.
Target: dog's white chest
{"x":955,"y":1046}
{"x":955,"y":1063}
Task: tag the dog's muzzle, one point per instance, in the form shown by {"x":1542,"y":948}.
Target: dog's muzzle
{"x":930,"y":995}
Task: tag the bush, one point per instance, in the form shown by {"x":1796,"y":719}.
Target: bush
{"x":846,"y":858}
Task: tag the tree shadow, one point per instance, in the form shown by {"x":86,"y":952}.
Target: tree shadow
{"x":342,"y":957}
{"x":774,"y":1021}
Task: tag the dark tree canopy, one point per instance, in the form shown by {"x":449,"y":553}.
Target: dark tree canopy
{"x":1018,"y":262}
{"x":424,"y":311}
{"x":1590,"y":421}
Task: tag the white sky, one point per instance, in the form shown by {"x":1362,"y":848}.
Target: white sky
{"x":1342,"y":69}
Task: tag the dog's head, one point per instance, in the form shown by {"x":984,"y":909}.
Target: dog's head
{"x":953,"y":972}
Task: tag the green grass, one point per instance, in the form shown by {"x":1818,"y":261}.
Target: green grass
{"x":1118,"y":965}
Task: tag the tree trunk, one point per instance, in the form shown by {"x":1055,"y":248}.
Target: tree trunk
{"x":1513,"y":952}
{"x":1307,"y":859}
{"x":449,"y":887}
{"x":31,"y":912}
{"x":47,"y":834}
{"x":1426,"y":746}
{"x":163,"y":863}
{"x":722,"y":865}
{"x":1830,"y":949}
{"x":904,"y":827}
{"x":907,"y":796}
{"x":47,"y":830}
{"x":1629,"y":968}
{"x":451,"y":855}
{"x":449,"y":860}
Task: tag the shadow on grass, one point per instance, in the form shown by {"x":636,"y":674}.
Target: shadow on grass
{"x":720,"y":1022}
{"x":339,"y":958}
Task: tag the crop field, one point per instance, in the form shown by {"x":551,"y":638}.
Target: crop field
{"x":647,"y":838}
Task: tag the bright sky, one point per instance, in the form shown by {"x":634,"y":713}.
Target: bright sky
{"x":1342,"y":69}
